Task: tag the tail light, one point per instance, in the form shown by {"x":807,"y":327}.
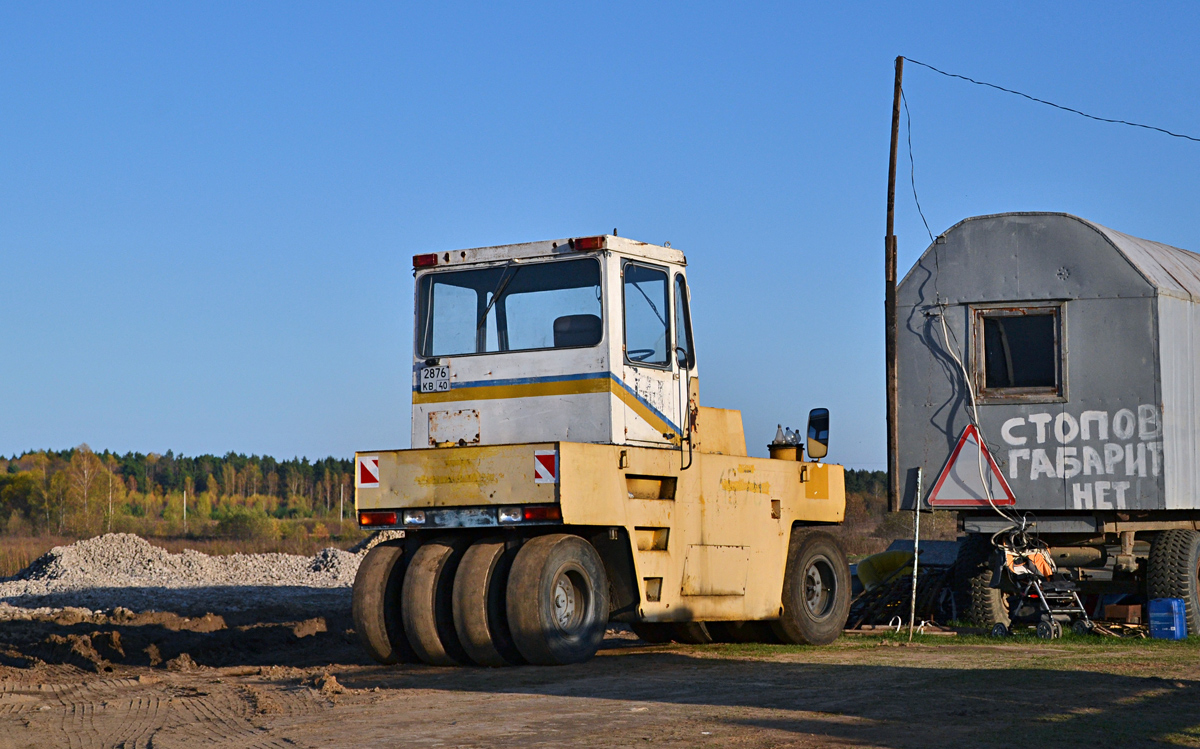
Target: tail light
{"x":374,"y":517}
{"x":543,"y":512}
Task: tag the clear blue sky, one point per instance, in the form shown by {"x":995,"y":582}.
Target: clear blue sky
{"x":207,"y":211}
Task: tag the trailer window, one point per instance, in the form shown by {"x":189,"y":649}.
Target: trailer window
{"x":514,"y":307}
{"x":1019,"y":352}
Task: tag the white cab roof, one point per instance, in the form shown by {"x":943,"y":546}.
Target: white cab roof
{"x":560,"y":247}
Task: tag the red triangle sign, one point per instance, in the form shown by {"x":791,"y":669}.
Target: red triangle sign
{"x":961,"y":483}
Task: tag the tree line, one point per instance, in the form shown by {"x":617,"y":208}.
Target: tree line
{"x":80,"y":491}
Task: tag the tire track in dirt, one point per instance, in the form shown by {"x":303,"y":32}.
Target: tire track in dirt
{"x":136,"y":714}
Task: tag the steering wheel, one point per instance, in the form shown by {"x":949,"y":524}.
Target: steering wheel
{"x":640,"y":354}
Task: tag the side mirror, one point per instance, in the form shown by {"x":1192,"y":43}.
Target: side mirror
{"x":818,"y":433}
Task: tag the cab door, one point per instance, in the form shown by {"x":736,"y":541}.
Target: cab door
{"x":650,"y":380}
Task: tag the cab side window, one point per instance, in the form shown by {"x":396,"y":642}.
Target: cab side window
{"x":646,"y":309}
{"x":684,"y":352}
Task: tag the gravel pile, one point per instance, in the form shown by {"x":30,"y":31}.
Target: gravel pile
{"x":121,"y":569}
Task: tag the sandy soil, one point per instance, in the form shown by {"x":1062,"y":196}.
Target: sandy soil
{"x":165,"y":680}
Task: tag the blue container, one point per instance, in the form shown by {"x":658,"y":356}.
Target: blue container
{"x":1168,"y":619}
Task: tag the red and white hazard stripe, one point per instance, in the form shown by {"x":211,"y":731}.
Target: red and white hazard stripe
{"x":545,"y":467}
{"x":368,"y":472}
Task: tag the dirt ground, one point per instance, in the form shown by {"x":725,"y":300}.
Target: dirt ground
{"x":163,"y":680}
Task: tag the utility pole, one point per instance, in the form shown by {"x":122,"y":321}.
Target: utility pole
{"x":889,"y":249}
{"x":185,"y":512}
{"x":341,"y":504}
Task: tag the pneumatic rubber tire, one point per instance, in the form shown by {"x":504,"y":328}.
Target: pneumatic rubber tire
{"x":985,"y":606}
{"x":1173,"y":569}
{"x":478,"y":603}
{"x":557,"y":600}
{"x":816,"y":590}
{"x":376,"y":605}
{"x":427,"y":606}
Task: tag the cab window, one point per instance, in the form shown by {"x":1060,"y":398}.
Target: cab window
{"x":514,"y":307}
{"x":684,"y":353}
{"x":646,"y":309}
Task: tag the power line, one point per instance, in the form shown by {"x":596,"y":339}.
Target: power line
{"x":912,"y":166}
{"x":1052,"y":104}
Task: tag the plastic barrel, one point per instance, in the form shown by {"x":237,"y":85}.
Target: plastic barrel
{"x":1168,"y":619}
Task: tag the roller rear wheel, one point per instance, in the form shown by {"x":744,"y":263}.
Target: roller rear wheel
{"x":480,"y":618}
{"x":376,"y":606}
{"x":557,"y":600}
{"x":427,"y":602}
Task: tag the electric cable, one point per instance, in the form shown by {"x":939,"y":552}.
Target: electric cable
{"x":912,"y":166}
{"x":1056,"y":106}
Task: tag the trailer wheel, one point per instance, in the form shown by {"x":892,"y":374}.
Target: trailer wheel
{"x":985,"y":605}
{"x":427,"y":604}
{"x":376,"y":605}
{"x":478,"y":605}
{"x":687,"y":633}
{"x":816,"y":590}
{"x":749,"y":631}
{"x":557,"y":600}
{"x":693,"y":633}
{"x":654,"y":633}
{"x":1174,"y":567}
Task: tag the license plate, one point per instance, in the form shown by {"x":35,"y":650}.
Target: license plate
{"x":435,"y":379}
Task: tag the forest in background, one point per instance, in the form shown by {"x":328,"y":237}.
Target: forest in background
{"x":80,"y":492}
{"x":238,"y":502}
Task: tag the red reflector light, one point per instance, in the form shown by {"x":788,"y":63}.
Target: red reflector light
{"x":543,"y":512}
{"x":589,"y":243}
{"x":425,"y":261}
{"x":376,"y":518}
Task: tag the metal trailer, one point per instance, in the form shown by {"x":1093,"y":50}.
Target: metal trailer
{"x":563,"y":474}
{"x":1077,"y":346}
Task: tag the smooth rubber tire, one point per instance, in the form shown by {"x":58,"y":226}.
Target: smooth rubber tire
{"x":816,"y":590}
{"x":427,"y":608}
{"x":557,"y":600}
{"x":478,"y":604}
{"x":376,"y":605}
{"x":1172,"y":572}
{"x":984,"y":605}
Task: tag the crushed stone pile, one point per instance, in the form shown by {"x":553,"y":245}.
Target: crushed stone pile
{"x":124,"y":570}
{"x":125,"y":560}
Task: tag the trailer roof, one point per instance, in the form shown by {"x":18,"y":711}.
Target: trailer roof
{"x":1172,"y":271}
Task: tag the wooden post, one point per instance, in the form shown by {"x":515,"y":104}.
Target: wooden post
{"x":889,"y":248}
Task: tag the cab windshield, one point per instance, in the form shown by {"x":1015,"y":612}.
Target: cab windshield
{"x":513,"y":307}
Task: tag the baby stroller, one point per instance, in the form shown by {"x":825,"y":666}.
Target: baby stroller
{"x":1038,"y":593}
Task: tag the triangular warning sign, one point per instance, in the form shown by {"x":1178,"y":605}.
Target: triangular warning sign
{"x":961,"y":482}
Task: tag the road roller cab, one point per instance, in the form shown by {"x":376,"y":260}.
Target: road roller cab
{"x":563,"y":473}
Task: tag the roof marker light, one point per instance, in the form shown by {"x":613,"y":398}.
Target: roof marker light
{"x":583,"y":244}
{"x":425,"y":261}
